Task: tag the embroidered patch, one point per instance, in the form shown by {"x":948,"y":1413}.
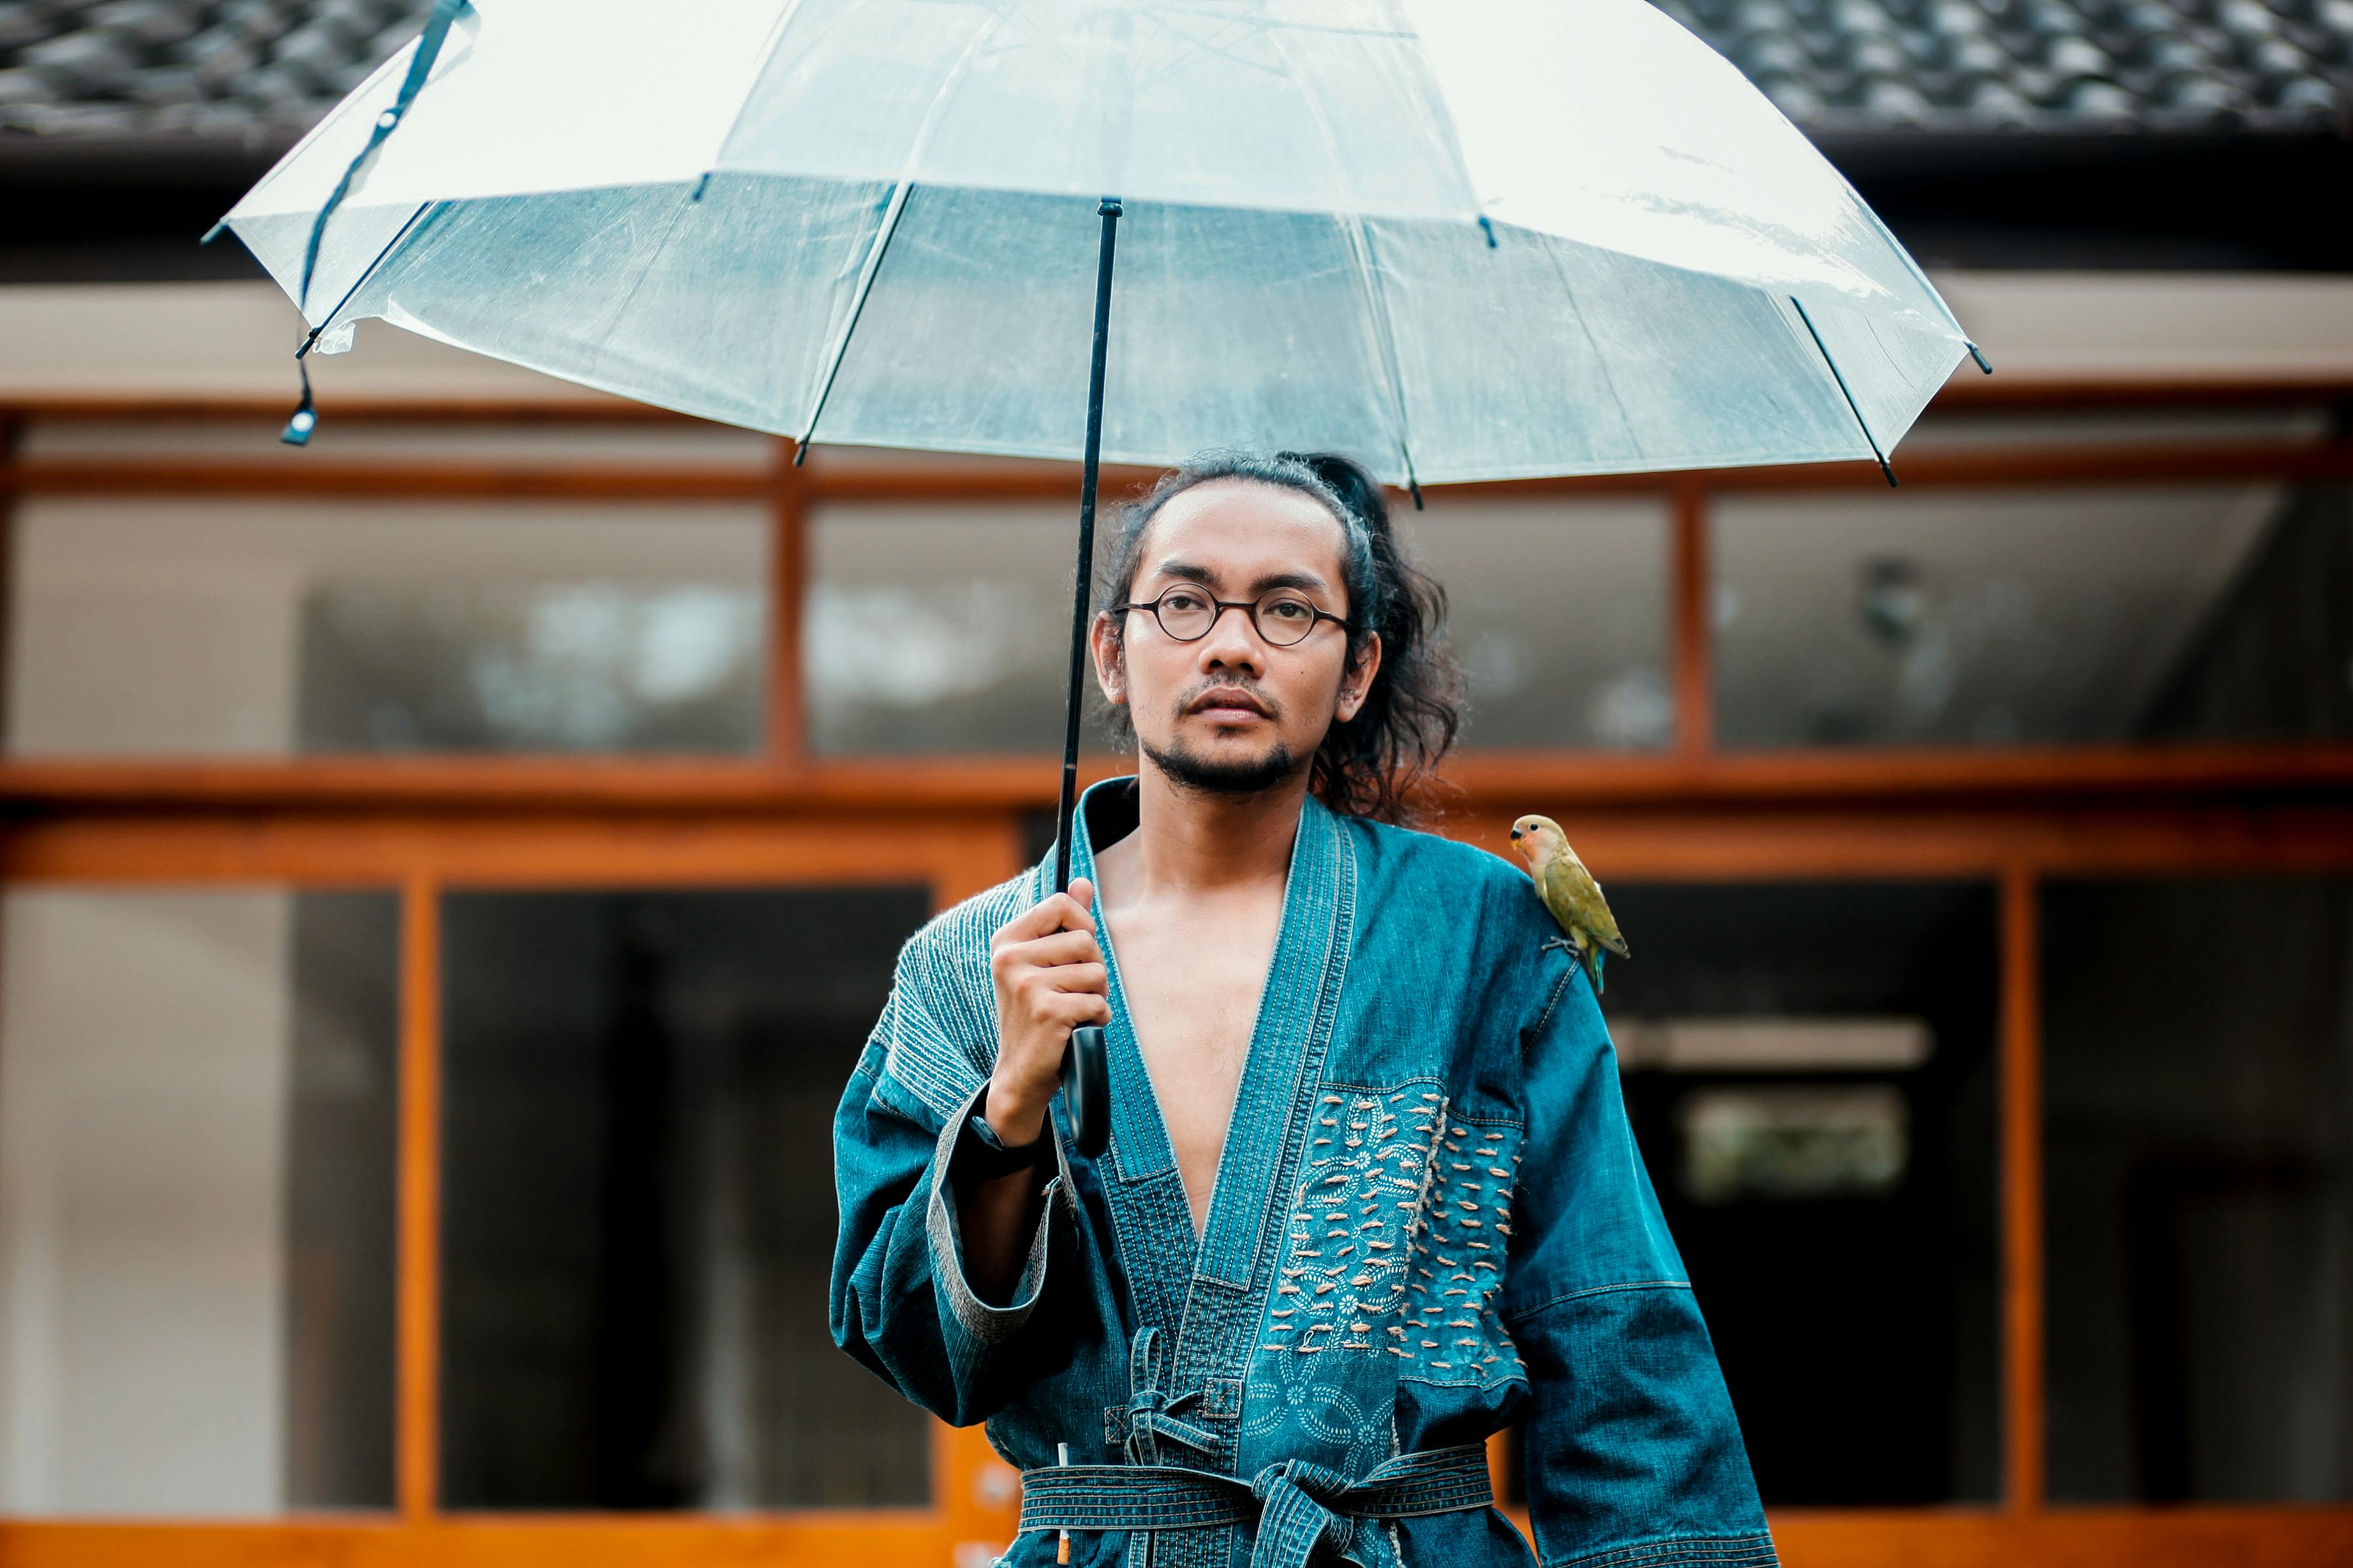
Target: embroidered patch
{"x":1396,"y":1236}
{"x":1452,"y":1328}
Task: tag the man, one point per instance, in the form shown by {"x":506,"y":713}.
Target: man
{"x":1370,"y":1194}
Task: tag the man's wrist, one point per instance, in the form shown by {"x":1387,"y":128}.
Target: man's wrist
{"x":1014,"y":1124}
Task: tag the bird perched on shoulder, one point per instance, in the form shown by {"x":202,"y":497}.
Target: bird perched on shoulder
{"x":1569,"y":891}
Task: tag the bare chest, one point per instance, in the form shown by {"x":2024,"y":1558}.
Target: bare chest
{"x":1192,"y":979}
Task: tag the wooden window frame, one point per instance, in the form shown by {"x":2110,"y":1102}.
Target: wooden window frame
{"x":2014,"y":817}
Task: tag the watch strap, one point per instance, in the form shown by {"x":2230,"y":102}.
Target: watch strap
{"x":984,"y":1156}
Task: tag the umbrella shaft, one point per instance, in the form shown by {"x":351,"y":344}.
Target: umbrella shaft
{"x":1080,"y":590}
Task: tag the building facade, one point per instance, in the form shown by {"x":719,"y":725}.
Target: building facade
{"x":446,"y":873}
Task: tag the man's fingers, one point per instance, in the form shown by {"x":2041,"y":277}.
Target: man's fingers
{"x":1034,"y":921}
{"x":1077,"y":977}
{"x":1009,"y":961}
{"x":1050,"y":973}
{"x":1037,"y":989}
{"x":1074,"y":1008}
{"x":1062,"y":947}
{"x":1071,"y":910}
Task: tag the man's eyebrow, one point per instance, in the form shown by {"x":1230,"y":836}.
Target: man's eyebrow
{"x":1191,"y":571}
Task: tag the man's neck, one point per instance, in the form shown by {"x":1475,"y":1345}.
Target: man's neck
{"x":1190,"y":842}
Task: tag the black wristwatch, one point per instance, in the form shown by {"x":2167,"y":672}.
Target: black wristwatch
{"x":984,"y":1157}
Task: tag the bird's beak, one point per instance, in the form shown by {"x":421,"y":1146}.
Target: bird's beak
{"x":1516,"y":834}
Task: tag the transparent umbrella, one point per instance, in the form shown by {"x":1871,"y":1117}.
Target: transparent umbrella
{"x":1460,"y":239}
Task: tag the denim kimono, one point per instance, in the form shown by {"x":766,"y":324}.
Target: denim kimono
{"x":1430,"y":1220}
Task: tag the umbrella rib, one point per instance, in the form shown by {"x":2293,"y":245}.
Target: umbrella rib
{"x":856,"y":308}
{"x":1601,"y":360}
{"x":636,"y":285}
{"x":366,"y":273}
{"x":915,"y":151}
{"x":767,"y":52}
{"x":1360,"y":244}
{"x":1377,"y":305}
{"x":1864,"y":426}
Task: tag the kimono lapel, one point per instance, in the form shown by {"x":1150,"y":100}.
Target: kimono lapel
{"x":1151,"y":1220}
{"x":1205,"y":1298}
{"x":1287,"y":1044}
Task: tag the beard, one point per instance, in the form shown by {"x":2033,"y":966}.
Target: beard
{"x":1239,"y":776}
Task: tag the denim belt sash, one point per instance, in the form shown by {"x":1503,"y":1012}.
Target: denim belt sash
{"x":1299,"y":1506}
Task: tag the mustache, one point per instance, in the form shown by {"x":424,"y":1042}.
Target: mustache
{"x":1186,"y":703}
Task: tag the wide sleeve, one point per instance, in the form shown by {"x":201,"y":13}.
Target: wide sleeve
{"x":1632,"y":1453}
{"x":902,"y":1301}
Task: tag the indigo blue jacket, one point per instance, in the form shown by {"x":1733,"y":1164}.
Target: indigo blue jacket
{"x":1430,"y":1220}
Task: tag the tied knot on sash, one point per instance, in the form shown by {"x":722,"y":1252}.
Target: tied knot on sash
{"x":1151,"y":1412}
{"x":1300,"y":1509}
{"x":1295,"y":1516}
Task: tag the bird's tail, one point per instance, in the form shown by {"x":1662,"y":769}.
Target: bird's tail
{"x":1593,"y":965}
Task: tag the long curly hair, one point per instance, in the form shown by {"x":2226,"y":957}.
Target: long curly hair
{"x":1383,"y":762}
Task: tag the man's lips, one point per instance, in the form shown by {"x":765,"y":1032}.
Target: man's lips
{"x":1229,"y":706}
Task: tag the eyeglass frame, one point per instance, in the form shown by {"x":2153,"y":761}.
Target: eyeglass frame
{"x":1317,"y":612}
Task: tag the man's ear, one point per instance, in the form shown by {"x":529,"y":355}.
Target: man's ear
{"x":1359,"y":679}
{"x":1111,"y":669}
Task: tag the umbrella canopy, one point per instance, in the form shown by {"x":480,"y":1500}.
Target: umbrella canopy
{"x":1463,"y":239}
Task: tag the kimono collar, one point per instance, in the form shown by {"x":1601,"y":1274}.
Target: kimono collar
{"x":1107,"y":812}
{"x":1294,"y":1025}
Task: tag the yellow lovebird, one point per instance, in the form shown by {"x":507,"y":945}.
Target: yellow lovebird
{"x":1570,"y":892}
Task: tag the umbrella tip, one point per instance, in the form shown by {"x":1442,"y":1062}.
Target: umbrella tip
{"x":701,"y":185}
{"x":1110,"y":206}
{"x":305,"y":418}
{"x":1978,"y":354}
{"x":1888,"y":469}
{"x":1488,"y":229}
{"x":214,"y":233}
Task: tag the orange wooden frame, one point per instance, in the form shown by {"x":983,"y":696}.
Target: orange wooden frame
{"x":416,"y":1325}
{"x":422,"y":825}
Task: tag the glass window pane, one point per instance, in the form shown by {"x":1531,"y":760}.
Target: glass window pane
{"x":280,"y":627}
{"x":2198,"y":1110}
{"x":197,"y":1137}
{"x":1558,"y":612}
{"x":639,"y":1208}
{"x":1809,"y":1071}
{"x":1994,"y":617}
{"x":946,"y":629}
{"x":939,"y":628}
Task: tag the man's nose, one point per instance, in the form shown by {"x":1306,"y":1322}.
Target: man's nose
{"x":1232,"y":638}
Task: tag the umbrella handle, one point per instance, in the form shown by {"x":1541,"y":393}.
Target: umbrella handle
{"x":1086,"y":1089}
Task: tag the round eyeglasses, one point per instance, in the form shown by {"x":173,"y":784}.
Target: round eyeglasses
{"x":1284,"y":616}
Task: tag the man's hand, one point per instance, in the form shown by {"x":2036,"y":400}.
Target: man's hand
{"x":1050,"y":979}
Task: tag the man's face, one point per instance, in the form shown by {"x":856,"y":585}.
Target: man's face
{"x":1232,"y":712}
